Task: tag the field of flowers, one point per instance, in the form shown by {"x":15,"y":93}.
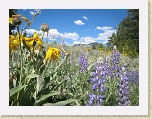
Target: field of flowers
{"x":51,"y":74}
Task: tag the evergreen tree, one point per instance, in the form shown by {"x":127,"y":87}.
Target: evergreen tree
{"x":127,"y":36}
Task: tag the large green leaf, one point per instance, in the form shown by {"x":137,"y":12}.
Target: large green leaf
{"x":44,"y":97}
{"x":32,"y":76}
{"x":61,"y":103}
{"x":16,"y":89}
{"x":40,"y":83}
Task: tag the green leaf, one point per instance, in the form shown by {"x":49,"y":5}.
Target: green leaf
{"x":44,"y":97}
{"x":16,"y":89}
{"x":91,"y":66}
{"x":26,"y":46}
{"x":32,"y":76}
{"x":40,"y":83}
{"x":61,"y":103}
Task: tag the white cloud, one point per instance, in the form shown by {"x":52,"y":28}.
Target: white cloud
{"x":105,"y":34}
{"x":53,"y":34}
{"x":85,"y":40}
{"x":85,"y":17}
{"x":79,"y":22}
{"x":73,"y":36}
{"x":104,"y":28}
{"x":34,"y":11}
{"x":30,"y":31}
{"x":76,"y":42}
{"x":88,"y":40}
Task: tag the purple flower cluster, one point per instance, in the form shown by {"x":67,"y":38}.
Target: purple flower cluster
{"x":64,"y":48}
{"x":98,"y":79}
{"x":83,"y":62}
{"x":133,"y":76}
{"x":123,"y":88}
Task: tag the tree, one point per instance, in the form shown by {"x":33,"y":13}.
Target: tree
{"x":127,"y":34}
{"x":11,"y":27}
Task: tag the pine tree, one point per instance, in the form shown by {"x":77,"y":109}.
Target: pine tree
{"x":127,"y":36}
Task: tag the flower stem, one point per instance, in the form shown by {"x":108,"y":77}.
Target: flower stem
{"x":21,"y":63}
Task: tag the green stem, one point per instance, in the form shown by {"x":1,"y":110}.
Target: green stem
{"x":21,"y":61}
{"x":20,"y":56}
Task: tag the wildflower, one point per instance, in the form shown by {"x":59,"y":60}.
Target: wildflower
{"x":52,"y":54}
{"x":123,"y":89}
{"x":45,"y":28}
{"x":13,"y":43}
{"x":83,"y":62}
{"x":63,"y":51}
{"x":16,"y":20}
{"x":92,"y":58}
{"x":30,"y":41}
{"x":125,"y":54}
{"x":98,"y":79}
{"x":109,"y":53}
{"x":87,"y":49}
{"x":71,"y":59}
{"x":100,"y":50}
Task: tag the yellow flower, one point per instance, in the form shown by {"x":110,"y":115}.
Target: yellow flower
{"x":92,"y":58}
{"x":87,"y":49}
{"x":30,"y":41}
{"x":100,"y":50}
{"x":52,"y":54}
{"x":13,"y":43}
{"x":109,"y":53}
{"x":125,"y":54}
{"x":17,"y":19}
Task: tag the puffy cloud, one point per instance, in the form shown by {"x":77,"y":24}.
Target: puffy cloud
{"x":76,"y":42}
{"x":85,"y":17}
{"x":79,"y":22}
{"x":30,"y":31}
{"x":104,"y":28}
{"x":73,"y":36}
{"x":85,"y":40}
{"x":88,"y":40}
{"x":53,"y":34}
{"x":105,"y":34}
{"x":102,"y":37}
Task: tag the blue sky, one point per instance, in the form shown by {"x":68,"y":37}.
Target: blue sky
{"x":75,"y":25}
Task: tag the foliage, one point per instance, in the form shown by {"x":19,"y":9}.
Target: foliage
{"x":52,"y":74}
{"x":127,"y":35}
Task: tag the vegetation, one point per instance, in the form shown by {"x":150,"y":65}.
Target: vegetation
{"x":52,"y":74}
{"x":127,"y":34}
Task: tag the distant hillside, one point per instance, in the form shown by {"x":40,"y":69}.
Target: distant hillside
{"x":91,"y":44}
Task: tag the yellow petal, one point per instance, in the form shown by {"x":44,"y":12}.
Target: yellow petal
{"x":26,"y":19}
{"x":10,"y":20}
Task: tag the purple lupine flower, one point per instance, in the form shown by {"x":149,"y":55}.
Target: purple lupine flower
{"x":83,"y":62}
{"x":123,"y":88}
{"x":64,"y":48}
{"x":115,"y":59}
{"x":71,"y":59}
{"x":98,"y":79}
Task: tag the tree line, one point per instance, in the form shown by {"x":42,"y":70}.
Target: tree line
{"x":126,"y":37}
